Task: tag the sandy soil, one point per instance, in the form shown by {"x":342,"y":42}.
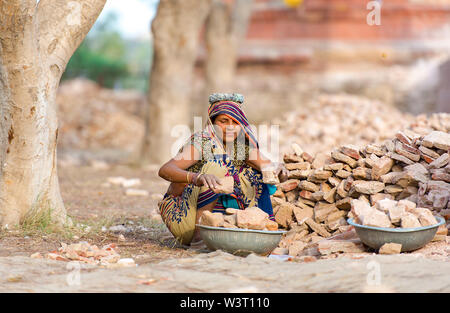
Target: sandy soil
{"x":164,"y":266}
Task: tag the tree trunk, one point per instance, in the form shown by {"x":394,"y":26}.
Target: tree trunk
{"x":176,"y":30}
{"x":36,"y":43}
{"x":226,"y":26}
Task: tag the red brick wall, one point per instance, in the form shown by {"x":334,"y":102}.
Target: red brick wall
{"x":345,"y":20}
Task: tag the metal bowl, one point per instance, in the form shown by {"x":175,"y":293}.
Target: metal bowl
{"x":239,"y":241}
{"x":410,"y":238}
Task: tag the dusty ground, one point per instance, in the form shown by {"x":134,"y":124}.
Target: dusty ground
{"x":164,"y":266}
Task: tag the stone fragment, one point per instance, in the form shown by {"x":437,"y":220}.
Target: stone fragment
{"x":307,"y":157}
{"x":381,"y":167}
{"x":319,"y":175}
{"x":289,"y":185}
{"x":333,"y":167}
{"x":442,"y":161}
{"x":334,"y":181}
{"x":334,"y":216}
{"x":391,"y":177}
{"x":329,"y":196}
{"x":271,"y":225}
{"x":296,"y":247}
{"x":305,"y":194}
{"x":390,"y":248}
{"x":251,"y":218}
{"x":327,"y":247}
{"x":344,"y":204}
{"x":306,"y":185}
{"x":395,"y":214}
{"x":393,"y":189}
{"x":376,"y":218}
{"x":385,"y":204}
{"x":407,"y":151}
{"x":322,"y":210}
{"x":374,"y":149}
{"x":269,"y":175}
{"x":400,"y":158}
{"x":341,"y":189}
{"x":426,"y":218}
{"x":284,"y":215}
{"x":437,"y":139}
{"x":303,"y":213}
{"x":410,"y":221}
{"x":351,"y":151}
{"x":299,"y":174}
{"x":368,"y":187}
{"x":226,"y":185}
{"x":403,"y":138}
{"x":298,"y":166}
{"x":231,"y":219}
{"x":317,"y":228}
{"x":292,"y":158}
{"x":338,"y":156}
{"x":409,"y":205}
{"x":362,"y":173}
{"x":343,"y":174}
{"x":360,"y":209}
{"x":334,"y":225}
{"x":379,"y":196}
{"x":318,"y":195}
{"x":427,"y":151}
{"x":212,"y":219}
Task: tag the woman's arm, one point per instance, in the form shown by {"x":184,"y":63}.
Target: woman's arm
{"x":175,"y":169}
{"x":258,"y":161}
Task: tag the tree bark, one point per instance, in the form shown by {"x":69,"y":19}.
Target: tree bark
{"x":36,"y":43}
{"x":226,"y":26}
{"x":176,"y":29}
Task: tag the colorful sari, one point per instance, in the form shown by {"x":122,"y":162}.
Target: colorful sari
{"x":179,"y":213}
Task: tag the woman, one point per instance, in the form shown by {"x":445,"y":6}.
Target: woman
{"x":226,"y":147}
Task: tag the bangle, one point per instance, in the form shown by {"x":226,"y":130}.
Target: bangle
{"x":196,"y":178}
{"x":187,"y":177}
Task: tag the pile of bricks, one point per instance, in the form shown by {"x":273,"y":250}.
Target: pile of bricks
{"x":316,"y":200}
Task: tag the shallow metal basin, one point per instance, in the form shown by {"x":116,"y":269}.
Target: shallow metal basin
{"x":239,"y":241}
{"x":410,"y":238}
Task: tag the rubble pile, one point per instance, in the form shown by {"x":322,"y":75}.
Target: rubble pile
{"x":335,"y":120}
{"x":84,"y":252}
{"x":91,"y":117}
{"x":319,"y":196}
{"x":390,"y":213}
{"x":250,"y":218}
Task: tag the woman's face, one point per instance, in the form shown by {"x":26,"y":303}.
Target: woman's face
{"x":226,"y":126}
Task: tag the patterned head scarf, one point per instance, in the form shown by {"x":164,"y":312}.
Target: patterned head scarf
{"x":229,"y":105}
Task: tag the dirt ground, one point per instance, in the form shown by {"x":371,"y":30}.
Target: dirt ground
{"x":164,"y":266}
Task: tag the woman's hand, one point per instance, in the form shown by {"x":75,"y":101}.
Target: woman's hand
{"x":209,"y":180}
{"x":282,"y":172}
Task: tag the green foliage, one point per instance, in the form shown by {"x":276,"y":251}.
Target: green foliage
{"x":111,"y":60}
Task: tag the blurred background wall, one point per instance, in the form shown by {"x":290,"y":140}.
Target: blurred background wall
{"x":292,"y":52}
